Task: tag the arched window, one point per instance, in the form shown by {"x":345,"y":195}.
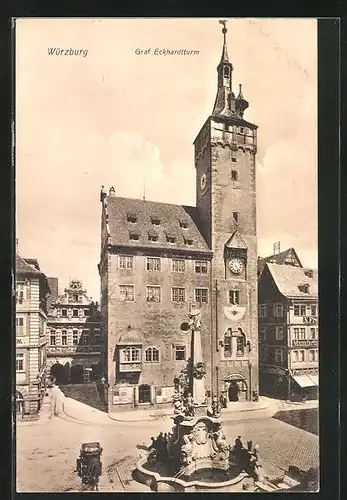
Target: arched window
{"x":228,"y":349}
{"x":152,"y":355}
{"x":130,"y":354}
{"x":240,"y":346}
{"x":226,"y":71}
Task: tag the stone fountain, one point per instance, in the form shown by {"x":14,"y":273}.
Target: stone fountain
{"x":195,"y":456}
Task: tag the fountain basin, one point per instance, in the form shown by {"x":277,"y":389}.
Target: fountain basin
{"x":158,"y":482}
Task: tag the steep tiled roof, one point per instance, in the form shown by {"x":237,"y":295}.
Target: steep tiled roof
{"x":27,"y":267}
{"x":22,"y":267}
{"x":146,"y":212}
{"x":288,"y":279}
{"x":33,"y":262}
{"x":278,"y":258}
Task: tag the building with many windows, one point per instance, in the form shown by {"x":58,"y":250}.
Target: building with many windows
{"x":288,"y":330}
{"x":74,"y":341}
{"x":157,"y":259}
{"x":32,"y":290}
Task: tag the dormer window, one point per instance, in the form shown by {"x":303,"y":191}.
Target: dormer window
{"x":152,"y":235}
{"x":134,"y":236}
{"x":184,"y":224}
{"x":188,"y":241}
{"x":132,"y":218}
{"x":155,"y":220}
{"x":170,"y":239}
{"x":309,"y":273}
{"x":304,"y":288}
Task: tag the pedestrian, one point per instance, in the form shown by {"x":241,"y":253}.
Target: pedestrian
{"x":238,"y":444}
{"x":153,"y":445}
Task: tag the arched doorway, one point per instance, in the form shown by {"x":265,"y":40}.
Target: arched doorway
{"x":233,"y":392}
{"x":236,"y":386}
{"x":60,"y":374}
{"x":77,"y":374}
{"x":144,"y":393}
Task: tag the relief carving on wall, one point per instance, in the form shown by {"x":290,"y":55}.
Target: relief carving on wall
{"x":234,"y":313}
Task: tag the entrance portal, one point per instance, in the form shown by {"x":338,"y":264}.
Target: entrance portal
{"x":144,"y":393}
{"x":235,"y":385}
{"x":233,"y":392}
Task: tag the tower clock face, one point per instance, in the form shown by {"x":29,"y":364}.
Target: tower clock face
{"x":203,"y":182}
{"x":236,"y":266}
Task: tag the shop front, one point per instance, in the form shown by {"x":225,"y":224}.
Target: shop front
{"x":126,"y":395}
{"x":304,"y":386}
{"x":273,"y":382}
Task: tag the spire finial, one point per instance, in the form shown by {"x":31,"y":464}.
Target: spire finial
{"x":225,"y":50}
{"x":224,"y":30}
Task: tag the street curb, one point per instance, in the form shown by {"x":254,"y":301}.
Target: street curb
{"x":153,"y":418}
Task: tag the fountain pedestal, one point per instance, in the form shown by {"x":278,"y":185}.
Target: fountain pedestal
{"x":198,"y":382}
{"x":198,"y":443}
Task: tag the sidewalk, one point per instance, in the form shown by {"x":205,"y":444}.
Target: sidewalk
{"x":43,"y":416}
{"x":86,"y":414}
{"x":74,"y":410}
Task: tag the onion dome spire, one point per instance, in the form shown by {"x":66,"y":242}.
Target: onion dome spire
{"x":241,"y":104}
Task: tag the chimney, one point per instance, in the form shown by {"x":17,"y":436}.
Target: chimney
{"x":112,"y":191}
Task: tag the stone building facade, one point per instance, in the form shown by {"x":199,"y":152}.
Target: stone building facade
{"x":32,"y":290}
{"x":158,"y":259}
{"x":74,"y":340}
{"x":288,"y":328}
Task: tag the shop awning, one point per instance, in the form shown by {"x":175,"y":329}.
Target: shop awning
{"x":315,"y":378}
{"x":306,"y":380}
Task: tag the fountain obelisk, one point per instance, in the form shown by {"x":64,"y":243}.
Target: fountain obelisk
{"x":198,"y":370}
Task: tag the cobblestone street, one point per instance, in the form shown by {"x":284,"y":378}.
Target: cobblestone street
{"x":46,"y":454}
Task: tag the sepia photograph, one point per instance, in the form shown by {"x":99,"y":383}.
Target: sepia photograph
{"x":166,"y":267}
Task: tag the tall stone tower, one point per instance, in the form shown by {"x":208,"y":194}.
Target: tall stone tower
{"x":225,"y":151}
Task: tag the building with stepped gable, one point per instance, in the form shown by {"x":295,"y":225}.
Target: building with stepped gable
{"x":74,"y":340}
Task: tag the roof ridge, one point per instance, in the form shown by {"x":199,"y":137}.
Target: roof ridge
{"x":149,"y":201}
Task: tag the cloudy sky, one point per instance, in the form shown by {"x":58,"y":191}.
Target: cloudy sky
{"x":121,"y":119}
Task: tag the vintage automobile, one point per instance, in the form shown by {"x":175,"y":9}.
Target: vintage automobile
{"x":89,"y":465}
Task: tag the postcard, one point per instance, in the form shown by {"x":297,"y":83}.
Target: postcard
{"x":166,"y":281}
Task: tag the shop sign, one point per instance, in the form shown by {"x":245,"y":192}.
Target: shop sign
{"x":310,"y":320}
{"x":304,"y":343}
{"x":22,"y":341}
